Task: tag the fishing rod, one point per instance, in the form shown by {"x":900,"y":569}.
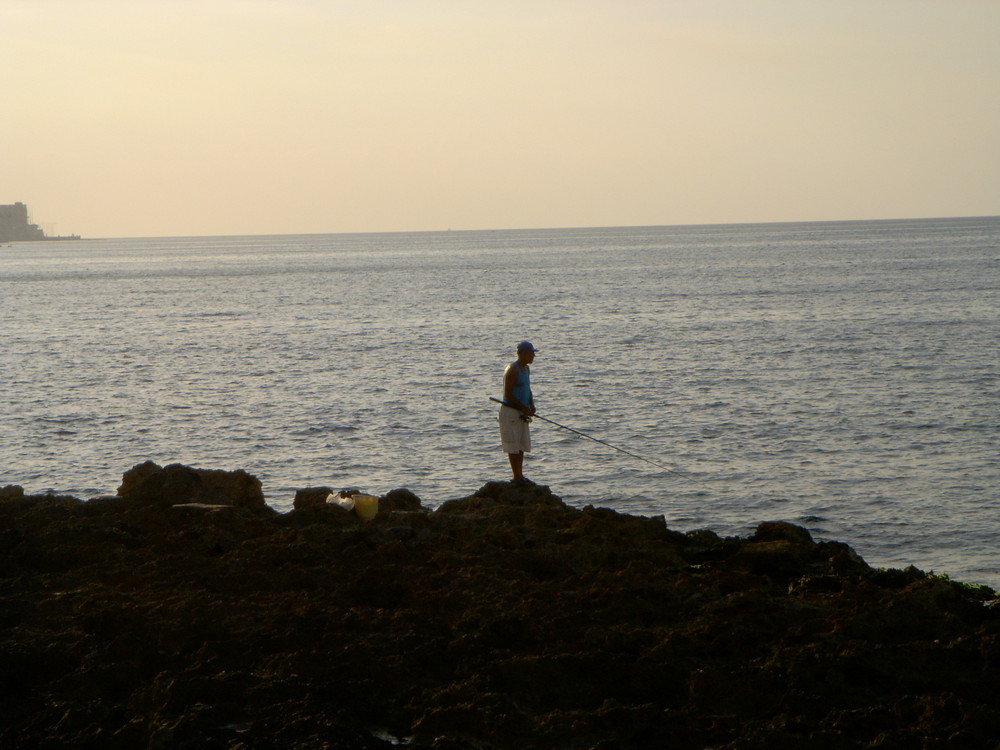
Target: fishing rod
{"x":602,"y":442}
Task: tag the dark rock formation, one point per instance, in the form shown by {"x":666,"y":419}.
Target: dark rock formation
{"x":149,"y":483}
{"x":502,"y":620}
{"x":311,"y":498}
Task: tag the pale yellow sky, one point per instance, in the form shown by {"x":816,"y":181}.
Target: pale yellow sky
{"x":187,"y":117}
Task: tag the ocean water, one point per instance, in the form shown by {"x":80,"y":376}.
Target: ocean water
{"x":841,"y":376}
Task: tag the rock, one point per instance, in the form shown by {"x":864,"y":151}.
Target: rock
{"x":311,"y":497}
{"x":11,"y":492}
{"x":785,"y":552}
{"x":400,"y":500}
{"x":781,"y":531}
{"x":150,"y":484}
{"x":502,"y":620}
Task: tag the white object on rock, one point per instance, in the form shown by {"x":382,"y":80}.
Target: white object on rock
{"x":344,"y":501}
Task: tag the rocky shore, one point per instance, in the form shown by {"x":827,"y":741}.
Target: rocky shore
{"x":185,"y":613}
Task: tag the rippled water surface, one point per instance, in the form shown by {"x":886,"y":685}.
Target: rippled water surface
{"x":841,"y":376}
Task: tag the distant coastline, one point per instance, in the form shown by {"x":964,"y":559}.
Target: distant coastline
{"x":16,"y":226}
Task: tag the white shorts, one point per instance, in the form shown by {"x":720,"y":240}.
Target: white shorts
{"x":515,"y":437}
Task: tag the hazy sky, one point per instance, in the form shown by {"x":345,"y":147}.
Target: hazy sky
{"x":186,"y":117}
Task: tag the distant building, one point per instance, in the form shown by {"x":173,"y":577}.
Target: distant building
{"x":16,"y":227}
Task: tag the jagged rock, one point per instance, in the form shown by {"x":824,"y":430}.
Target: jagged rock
{"x":782,"y":531}
{"x":503,"y":620}
{"x":400,"y":500}
{"x":151,"y":484}
{"x":11,"y":492}
{"x":786,"y":552}
{"x":311,"y":497}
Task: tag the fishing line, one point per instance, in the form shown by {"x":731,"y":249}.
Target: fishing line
{"x":602,"y":442}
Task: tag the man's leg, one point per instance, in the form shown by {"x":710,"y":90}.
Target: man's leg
{"x":516,"y":464}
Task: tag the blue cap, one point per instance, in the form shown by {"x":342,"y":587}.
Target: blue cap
{"x":526,"y":346}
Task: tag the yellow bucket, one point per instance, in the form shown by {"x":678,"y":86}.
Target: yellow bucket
{"x":366,"y":506}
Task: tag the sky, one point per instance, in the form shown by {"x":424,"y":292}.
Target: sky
{"x":126,"y":118}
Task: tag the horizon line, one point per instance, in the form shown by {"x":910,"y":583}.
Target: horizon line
{"x":537,"y":228}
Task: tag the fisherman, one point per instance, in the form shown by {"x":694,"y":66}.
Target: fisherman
{"x":517,"y":410}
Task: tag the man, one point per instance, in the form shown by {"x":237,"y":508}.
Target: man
{"x":519,"y":406}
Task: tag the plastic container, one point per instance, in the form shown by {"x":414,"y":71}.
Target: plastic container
{"x":366,"y":506}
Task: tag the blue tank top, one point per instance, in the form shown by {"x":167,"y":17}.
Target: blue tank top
{"x":522,"y":388}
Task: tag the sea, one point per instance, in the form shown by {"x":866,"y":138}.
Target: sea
{"x":841,"y":376}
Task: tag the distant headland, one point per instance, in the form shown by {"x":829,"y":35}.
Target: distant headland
{"x":15,"y":226}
